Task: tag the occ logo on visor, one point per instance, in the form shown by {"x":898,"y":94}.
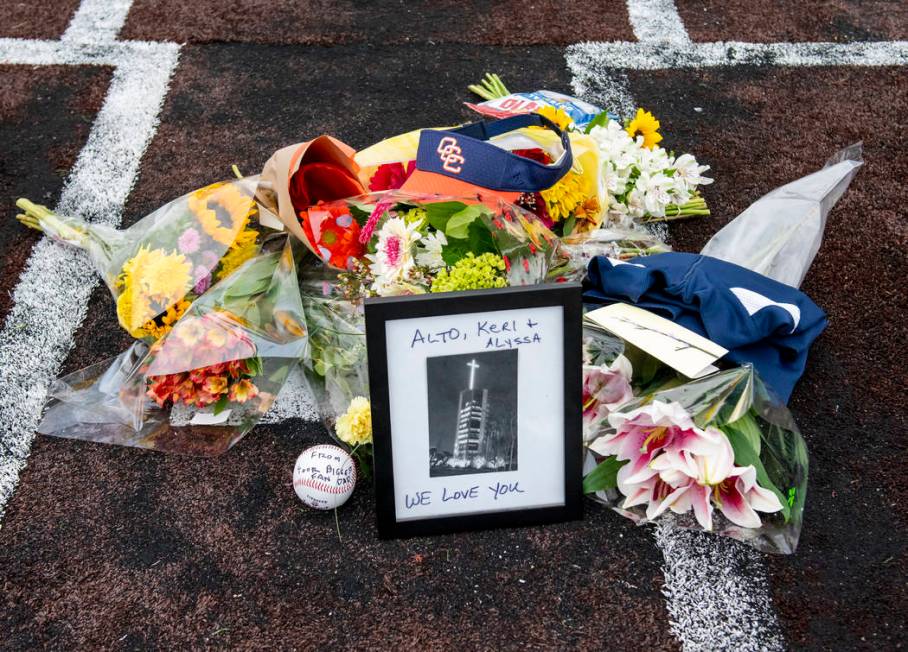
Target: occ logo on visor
{"x":450,"y":154}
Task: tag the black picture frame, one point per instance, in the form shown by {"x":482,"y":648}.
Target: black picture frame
{"x":379,"y":311}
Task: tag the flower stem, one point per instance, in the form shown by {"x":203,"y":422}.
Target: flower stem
{"x":43,"y":219}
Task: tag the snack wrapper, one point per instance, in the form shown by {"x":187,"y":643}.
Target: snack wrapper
{"x":206,"y":383}
{"x":582,"y":113}
{"x":721,"y":453}
{"x":158,"y":266}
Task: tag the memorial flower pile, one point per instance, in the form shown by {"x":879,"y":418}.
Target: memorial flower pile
{"x":231,"y":286}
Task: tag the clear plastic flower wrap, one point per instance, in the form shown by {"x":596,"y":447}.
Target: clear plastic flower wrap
{"x":201,"y":387}
{"x":780,"y":233}
{"x":722,"y":453}
{"x":620,"y":243}
{"x":390,"y":243}
{"x":158,"y":266}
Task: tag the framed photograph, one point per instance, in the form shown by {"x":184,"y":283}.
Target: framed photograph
{"x":476,"y":412}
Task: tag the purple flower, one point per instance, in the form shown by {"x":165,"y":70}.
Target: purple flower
{"x":202,"y":280}
{"x":189,"y":241}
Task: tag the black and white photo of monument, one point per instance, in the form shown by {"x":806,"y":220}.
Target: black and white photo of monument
{"x":472,"y":413}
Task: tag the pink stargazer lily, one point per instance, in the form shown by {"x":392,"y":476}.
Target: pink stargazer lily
{"x":711,"y":477}
{"x":604,"y":389}
{"x":702,"y":481}
{"x":642,"y":434}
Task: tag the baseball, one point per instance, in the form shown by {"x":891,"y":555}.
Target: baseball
{"x":324,"y":476}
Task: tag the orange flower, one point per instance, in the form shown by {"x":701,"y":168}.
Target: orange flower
{"x":215,"y":385}
{"x":243,"y":391}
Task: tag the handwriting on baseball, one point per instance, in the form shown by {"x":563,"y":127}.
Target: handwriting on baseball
{"x":329,"y":468}
{"x":462,"y":494}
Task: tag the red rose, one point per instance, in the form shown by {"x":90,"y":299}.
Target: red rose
{"x":321,"y":181}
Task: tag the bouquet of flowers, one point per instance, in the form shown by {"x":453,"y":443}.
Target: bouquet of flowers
{"x":643,"y":181}
{"x":202,"y":386}
{"x":637,"y":180}
{"x":722,"y":452}
{"x":159,"y":265}
{"x":392,"y":243}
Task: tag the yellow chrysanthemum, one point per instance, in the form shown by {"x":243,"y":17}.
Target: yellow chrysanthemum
{"x":158,"y":275}
{"x":243,"y":248}
{"x":133,"y":311}
{"x":151,"y":282}
{"x":558,"y":116}
{"x":222,"y":210}
{"x":564,"y":197}
{"x":354,"y":426}
{"x":645,"y":124}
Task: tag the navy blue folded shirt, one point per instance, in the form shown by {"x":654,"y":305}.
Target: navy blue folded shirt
{"x":758,"y":320}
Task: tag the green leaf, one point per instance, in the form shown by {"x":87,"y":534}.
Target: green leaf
{"x":480,"y":238}
{"x":254,"y":365}
{"x":460,"y":221}
{"x":569,"y":225}
{"x":361,"y":215}
{"x":438,"y":213}
{"x":599,"y":121}
{"x":746,"y":455}
{"x":221,"y":404}
{"x":454,"y":251}
{"x":604,"y":476}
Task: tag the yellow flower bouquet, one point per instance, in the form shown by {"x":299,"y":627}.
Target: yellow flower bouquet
{"x":159,"y":265}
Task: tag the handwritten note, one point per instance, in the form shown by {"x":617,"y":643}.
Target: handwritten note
{"x":676,"y":346}
{"x":489,"y":334}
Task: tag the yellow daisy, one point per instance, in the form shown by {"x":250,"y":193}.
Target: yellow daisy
{"x":222,"y":210}
{"x":645,"y":124}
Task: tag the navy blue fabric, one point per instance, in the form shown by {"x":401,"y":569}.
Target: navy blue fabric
{"x":488,"y":166}
{"x":715,"y":299}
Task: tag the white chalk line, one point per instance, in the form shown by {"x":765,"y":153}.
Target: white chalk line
{"x":52,"y":295}
{"x":651,"y":55}
{"x":657,"y":21}
{"x":97,"y":21}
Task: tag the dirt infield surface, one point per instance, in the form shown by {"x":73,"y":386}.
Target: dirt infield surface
{"x":110,"y":548}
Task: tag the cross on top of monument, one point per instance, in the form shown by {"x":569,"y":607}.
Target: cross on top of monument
{"x":473,"y":367}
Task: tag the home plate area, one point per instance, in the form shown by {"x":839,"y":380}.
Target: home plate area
{"x":111,"y":109}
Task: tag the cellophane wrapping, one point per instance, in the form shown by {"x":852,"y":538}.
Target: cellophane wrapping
{"x":201,"y":387}
{"x":440,"y":237}
{"x":780,"y":233}
{"x":158,"y":266}
{"x":721,"y":450}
